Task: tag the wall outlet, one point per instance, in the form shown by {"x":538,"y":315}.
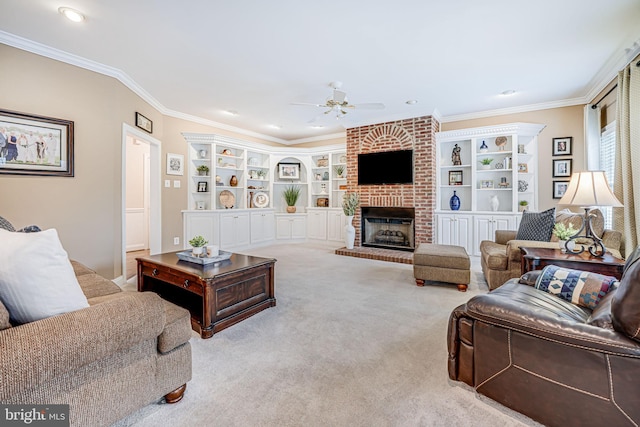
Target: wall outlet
{"x":176,"y":184}
{"x":176,"y":240}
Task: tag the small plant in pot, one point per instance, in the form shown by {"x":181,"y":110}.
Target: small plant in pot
{"x":523,"y":205}
{"x":198,"y":243}
{"x":486,"y":163}
{"x":564,"y":234}
{"x":203,"y":170}
{"x":339,"y":170}
{"x":291,"y":195}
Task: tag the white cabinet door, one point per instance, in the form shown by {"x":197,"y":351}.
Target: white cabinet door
{"x":234,"y":230}
{"x":317,"y":225}
{"x":485,"y":226}
{"x":283,"y":227}
{"x":299,"y":227}
{"x":455,"y":230}
{"x":336,"y":221}
{"x":203,"y":224}
{"x":262,"y":226}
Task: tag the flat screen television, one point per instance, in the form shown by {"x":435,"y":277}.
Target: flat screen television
{"x":386,"y":167}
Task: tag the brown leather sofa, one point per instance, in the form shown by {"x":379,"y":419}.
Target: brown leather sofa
{"x":501,"y":259}
{"x":556,"y":362}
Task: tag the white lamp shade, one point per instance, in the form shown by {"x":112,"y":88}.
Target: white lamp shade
{"x":589,"y":189}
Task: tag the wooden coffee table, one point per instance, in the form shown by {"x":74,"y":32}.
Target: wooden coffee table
{"x":537,"y":258}
{"x":217,"y":295}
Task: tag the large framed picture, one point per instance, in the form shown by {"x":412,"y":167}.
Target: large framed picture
{"x":562,"y":168}
{"x":35,"y":145}
{"x":562,"y":146}
{"x":175,"y":164}
{"x":559,"y":188}
{"x":288,"y":170}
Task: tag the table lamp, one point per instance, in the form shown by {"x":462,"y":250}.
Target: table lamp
{"x":588,"y":189}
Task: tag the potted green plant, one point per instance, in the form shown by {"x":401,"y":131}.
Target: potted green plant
{"x":523,"y":205}
{"x":339,"y":170}
{"x":291,"y":195}
{"x":198,"y":243}
{"x":486,"y":163}
{"x":564,"y":234}
{"x":350,"y":203}
{"x":203,"y":170}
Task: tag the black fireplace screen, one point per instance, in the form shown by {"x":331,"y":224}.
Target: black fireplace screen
{"x":388,"y":228}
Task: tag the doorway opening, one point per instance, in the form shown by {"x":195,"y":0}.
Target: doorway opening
{"x":141,"y":224}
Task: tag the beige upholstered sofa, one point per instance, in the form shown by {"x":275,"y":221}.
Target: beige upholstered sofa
{"x":126,"y":350}
{"x":501,"y":259}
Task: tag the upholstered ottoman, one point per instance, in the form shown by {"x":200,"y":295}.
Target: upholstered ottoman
{"x":442,"y":263}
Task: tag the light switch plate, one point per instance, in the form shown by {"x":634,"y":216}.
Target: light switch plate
{"x":167,"y":183}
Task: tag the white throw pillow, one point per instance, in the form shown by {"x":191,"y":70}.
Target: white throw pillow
{"x":36,"y":276}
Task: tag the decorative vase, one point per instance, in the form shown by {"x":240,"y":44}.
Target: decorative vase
{"x":233,"y":181}
{"x":291,"y":209}
{"x":485,"y":167}
{"x":495,"y":203}
{"x":484,"y":148}
{"x":454,"y":202}
{"x":350,"y":233}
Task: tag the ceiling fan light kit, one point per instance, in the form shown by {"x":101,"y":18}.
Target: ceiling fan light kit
{"x":337,"y":103}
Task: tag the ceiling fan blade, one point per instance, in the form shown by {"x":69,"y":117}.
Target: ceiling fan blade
{"x":306,"y":104}
{"x":339,"y":96}
{"x":369,"y":106}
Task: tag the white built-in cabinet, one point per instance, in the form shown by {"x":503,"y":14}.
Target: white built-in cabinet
{"x":510,"y":178}
{"x":223,"y":205}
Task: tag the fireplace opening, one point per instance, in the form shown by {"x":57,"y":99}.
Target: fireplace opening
{"x":390,"y":228}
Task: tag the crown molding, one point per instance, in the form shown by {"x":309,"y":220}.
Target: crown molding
{"x":318,"y":138}
{"x":521,"y":128}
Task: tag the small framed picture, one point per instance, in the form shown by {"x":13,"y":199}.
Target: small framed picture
{"x":175,"y":164}
{"x":455,"y":177}
{"x":143,"y":123}
{"x":562,"y":168}
{"x":486,"y":183}
{"x":523,"y":168}
{"x":559,"y":188}
{"x":288,"y":170}
{"x":202,"y":187}
{"x":562,"y":146}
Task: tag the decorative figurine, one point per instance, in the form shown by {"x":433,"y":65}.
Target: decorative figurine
{"x":455,"y":156}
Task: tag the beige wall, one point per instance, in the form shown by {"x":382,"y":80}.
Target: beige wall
{"x":560,"y":122}
{"x":87,"y":209}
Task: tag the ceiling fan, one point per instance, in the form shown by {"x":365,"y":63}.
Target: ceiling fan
{"x":338,"y":102}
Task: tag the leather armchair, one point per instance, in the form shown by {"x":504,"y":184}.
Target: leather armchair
{"x":501,"y":259}
{"x":556,"y":362}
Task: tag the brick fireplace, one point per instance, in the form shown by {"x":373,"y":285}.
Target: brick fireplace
{"x":417,"y":134}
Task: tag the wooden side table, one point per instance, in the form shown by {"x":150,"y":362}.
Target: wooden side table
{"x":538,"y":258}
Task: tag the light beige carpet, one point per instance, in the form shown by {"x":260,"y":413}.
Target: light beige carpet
{"x":351,"y":342}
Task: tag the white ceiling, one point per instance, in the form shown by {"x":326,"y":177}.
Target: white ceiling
{"x":198,"y":58}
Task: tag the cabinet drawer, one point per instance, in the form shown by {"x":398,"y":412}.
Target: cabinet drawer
{"x":183,"y":281}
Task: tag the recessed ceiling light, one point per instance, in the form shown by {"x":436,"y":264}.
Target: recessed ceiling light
{"x":275,"y":126}
{"x":411,"y":102}
{"x":231,"y":112}
{"x":508,"y":92}
{"x":317,"y":126}
{"x":71,"y":14}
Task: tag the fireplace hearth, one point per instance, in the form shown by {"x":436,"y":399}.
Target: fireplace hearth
{"x":388,"y":227}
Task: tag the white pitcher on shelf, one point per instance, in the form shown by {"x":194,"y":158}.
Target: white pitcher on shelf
{"x":495,"y":203}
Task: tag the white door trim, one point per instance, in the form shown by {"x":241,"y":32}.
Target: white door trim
{"x":155,"y":220}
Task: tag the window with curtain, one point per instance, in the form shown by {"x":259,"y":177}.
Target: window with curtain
{"x":608,"y":164}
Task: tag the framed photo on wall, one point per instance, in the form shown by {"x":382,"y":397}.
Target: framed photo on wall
{"x":35,"y":145}
{"x":559,"y":188}
{"x":562,"y":146}
{"x":143,"y":123}
{"x":175,"y":164}
{"x":562,"y":168}
{"x":289,"y":171}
